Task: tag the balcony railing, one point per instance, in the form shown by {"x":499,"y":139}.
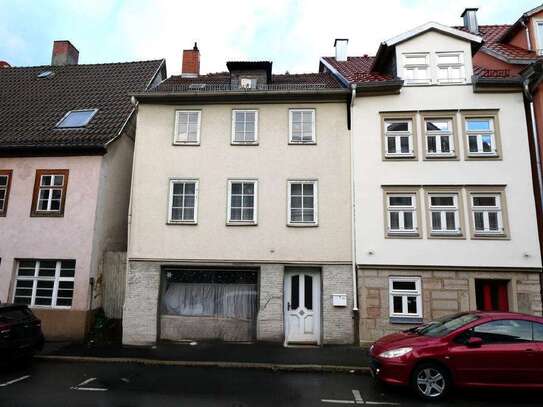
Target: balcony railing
{"x":226,"y":87}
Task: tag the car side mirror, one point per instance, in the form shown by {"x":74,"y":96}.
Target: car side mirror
{"x":474,"y":342}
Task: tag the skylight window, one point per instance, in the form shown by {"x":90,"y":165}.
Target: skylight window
{"x":45,"y":74}
{"x":76,"y":118}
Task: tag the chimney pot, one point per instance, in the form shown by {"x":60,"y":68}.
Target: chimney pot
{"x":64,"y":53}
{"x":191,"y":62}
{"x":340,"y":44}
{"x":470,"y":20}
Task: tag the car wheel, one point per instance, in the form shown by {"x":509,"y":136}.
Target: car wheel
{"x":431,"y":381}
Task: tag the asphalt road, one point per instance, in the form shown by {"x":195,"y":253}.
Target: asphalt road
{"x":51,"y":384}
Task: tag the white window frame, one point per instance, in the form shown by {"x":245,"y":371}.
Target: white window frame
{"x":174,"y":181}
{"x":416,"y":67}
{"x":291,"y":122}
{"x":56,"y":280}
{"x":397,"y":138}
{"x":4,"y":188}
{"x":438,"y":134}
{"x":538,"y":31}
{"x":405,"y":294}
{"x":402,"y":210}
{"x":302,"y":182}
{"x":442,"y":210}
{"x":449,"y":66}
{"x":176,"y":139}
{"x":479,"y":135}
{"x":233,"y":139}
{"x":229,"y":219}
{"x":498,"y":209}
{"x":52,"y":187}
{"x":93,"y":113}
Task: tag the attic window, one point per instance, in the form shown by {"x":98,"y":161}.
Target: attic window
{"x":46,"y":74}
{"x":76,"y":118}
{"x":248,"y":83}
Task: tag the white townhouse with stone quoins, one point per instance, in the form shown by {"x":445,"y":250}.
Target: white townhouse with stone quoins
{"x":445,"y":211}
{"x":240,"y":220}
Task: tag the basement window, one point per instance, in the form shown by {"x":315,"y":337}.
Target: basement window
{"x":76,"y":118}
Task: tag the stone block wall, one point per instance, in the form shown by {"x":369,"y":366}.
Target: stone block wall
{"x":140,"y":311}
{"x":443,"y":293}
{"x":269,"y":324}
{"x":337,"y":322}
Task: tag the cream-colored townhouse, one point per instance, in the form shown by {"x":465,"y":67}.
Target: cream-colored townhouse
{"x":240,"y":219}
{"x":445,"y":208}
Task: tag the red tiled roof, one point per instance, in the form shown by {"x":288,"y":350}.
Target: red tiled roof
{"x":358,"y":69}
{"x":491,"y":35}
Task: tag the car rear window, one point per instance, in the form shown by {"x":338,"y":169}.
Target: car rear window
{"x":14,"y":313}
{"x":446,"y":325}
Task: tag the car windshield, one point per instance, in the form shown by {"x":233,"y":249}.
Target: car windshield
{"x":446,"y":325}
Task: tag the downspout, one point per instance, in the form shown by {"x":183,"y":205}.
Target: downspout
{"x":529,"y":97}
{"x":356,"y":315}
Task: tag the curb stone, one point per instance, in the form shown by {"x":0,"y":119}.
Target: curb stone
{"x":228,"y":365}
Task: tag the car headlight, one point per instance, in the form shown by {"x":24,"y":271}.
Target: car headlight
{"x":395,"y":353}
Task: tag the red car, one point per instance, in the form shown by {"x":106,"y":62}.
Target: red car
{"x":471,"y":349}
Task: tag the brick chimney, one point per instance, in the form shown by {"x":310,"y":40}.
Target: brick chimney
{"x":64,"y":53}
{"x":4,"y":64}
{"x":191,"y":62}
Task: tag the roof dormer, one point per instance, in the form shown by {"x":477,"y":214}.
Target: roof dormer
{"x":249,"y":74}
{"x":431,"y":54}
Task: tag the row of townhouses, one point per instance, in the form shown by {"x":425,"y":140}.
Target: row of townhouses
{"x":330,"y":207}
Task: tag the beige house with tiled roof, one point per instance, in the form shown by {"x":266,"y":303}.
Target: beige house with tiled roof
{"x":240,"y":222}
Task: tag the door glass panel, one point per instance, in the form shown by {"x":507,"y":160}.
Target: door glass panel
{"x":538,"y":332}
{"x":308,"y":291}
{"x":505,"y":331}
{"x":295,"y":292}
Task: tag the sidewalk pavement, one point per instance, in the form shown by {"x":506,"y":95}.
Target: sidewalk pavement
{"x":331,"y":358}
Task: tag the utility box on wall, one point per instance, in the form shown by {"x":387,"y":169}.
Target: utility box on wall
{"x":339,"y":300}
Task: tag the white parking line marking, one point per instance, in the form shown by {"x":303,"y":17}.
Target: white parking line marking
{"x":357,"y":397}
{"x":85,"y":382}
{"x":14,"y":381}
{"x":337,"y":401}
{"x":382,"y":403}
{"x":78,"y":387}
{"x":89,"y":388}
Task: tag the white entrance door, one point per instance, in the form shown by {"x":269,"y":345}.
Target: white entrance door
{"x":302,"y":306}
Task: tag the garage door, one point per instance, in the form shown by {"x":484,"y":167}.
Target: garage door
{"x":208,"y":304}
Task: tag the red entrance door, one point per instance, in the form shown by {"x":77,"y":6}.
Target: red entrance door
{"x":492,"y":295}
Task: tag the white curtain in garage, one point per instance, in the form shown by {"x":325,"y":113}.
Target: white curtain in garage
{"x":225,"y":300}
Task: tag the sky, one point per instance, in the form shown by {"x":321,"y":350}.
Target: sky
{"x":293,"y":34}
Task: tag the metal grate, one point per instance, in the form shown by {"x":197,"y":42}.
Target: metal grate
{"x":226,"y":87}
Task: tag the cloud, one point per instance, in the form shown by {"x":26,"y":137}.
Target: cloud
{"x":294,"y":34}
